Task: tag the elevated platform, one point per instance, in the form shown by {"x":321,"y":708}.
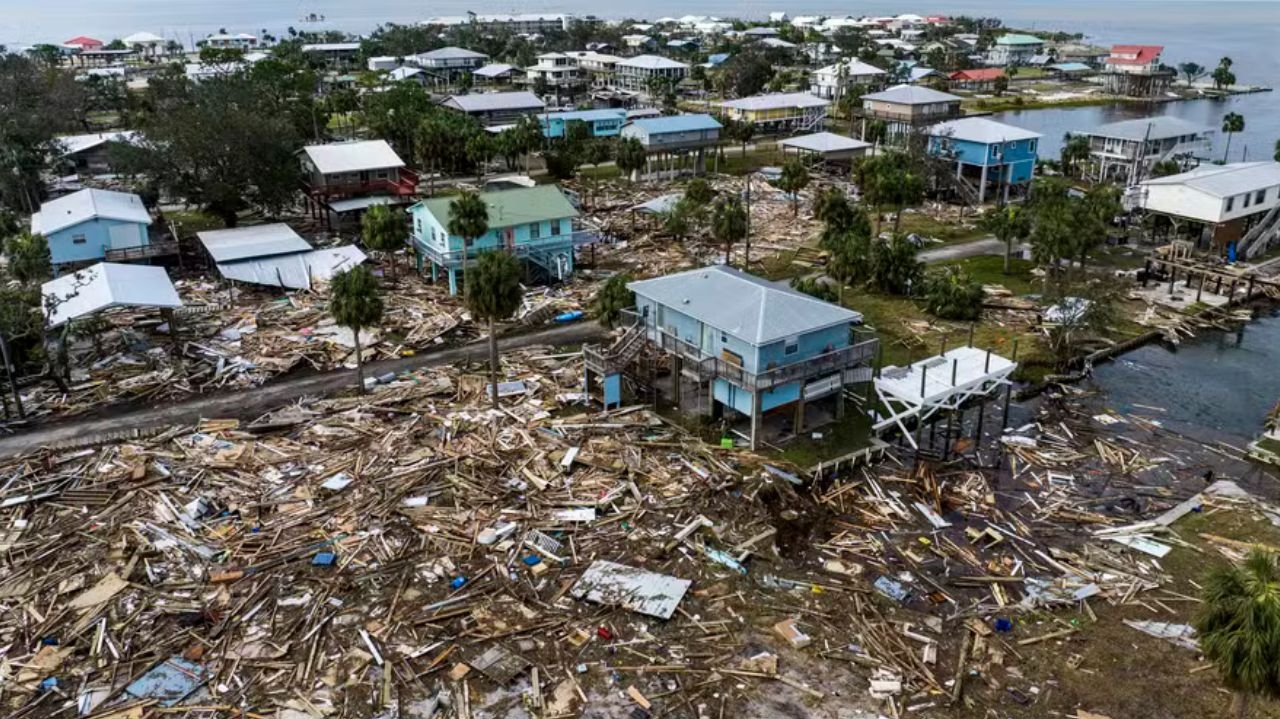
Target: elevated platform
{"x":939,"y":383}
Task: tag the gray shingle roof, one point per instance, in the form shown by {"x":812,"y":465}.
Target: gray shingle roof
{"x":753,"y":310}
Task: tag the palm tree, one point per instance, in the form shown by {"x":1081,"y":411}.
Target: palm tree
{"x":794,"y":179}
{"x":1008,"y":224}
{"x":1239,"y":626}
{"x":729,"y":224}
{"x":1232,"y":123}
{"x":1075,"y":149}
{"x":613,"y":298}
{"x":356,"y":303}
{"x":494,"y":294}
{"x":383,"y":229}
{"x":468,"y":219}
{"x":631,"y":157}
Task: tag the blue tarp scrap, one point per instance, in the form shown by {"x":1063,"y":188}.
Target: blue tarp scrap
{"x":168,"y":682}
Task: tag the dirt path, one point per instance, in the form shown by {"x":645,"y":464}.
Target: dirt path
{"x":959,"y":251}
{"x":253,"y":402}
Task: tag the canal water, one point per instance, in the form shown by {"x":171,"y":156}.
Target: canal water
{"x":1219,"y":386}
{"x":1260,"y":110}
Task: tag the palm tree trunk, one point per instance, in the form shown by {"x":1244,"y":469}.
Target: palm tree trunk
{"x":1227,"y":153}
{"x":493,"y":363}
{"x":355,"y":331}
{"x":1008,"y":253}
{"x":727,"y":246}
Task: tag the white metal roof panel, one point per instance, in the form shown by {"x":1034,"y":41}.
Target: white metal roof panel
{"x":652,"y":62}
{"x":243,"y":243}
{"x":106,"y":285}
{"x":87,"y":205}
{"x":776,"y":100}
{"x":911,"y":95}
{"x":1160,"y":127}
{"x":982,"y":130}
{"x":1226,"y":180}
{"x":825,"y":142}
{"x":296,"y":271}
{"x":753,"y":310}
{"x":451,"y":53}
{"x":353,"y":156}
{"x":638,"y":590}
{"x":493,"y":70}
{"x":71,"y":144}
{"x":491,"y":101}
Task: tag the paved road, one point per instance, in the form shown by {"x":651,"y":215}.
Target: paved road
{"x":974,"y":248}
{"x":254,"y":402}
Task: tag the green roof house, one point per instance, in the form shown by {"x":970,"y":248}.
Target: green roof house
{"x":534,"y":223}
{"x":1014,"y":49}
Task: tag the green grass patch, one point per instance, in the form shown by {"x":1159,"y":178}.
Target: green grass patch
{"x":190,"y":222}
{"x":933,"y":228}
{"x":989,"y":270}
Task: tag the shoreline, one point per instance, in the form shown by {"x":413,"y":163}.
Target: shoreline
{"x":1008,"y":104}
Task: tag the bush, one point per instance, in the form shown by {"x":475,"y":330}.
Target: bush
{"x":815,"y":288}
{"x":951,"y":294}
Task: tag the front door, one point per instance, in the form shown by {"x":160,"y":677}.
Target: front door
{"x":509,"y":239}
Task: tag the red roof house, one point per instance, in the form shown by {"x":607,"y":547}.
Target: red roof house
{"x":85,"y":43}
{"x":976,"y":77}
{"x":1135,"y":55}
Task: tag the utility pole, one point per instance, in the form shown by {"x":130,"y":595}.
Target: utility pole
{"x":13,"y":380}
{"x":746,"y":254}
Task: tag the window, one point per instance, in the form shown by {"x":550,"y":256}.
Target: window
{"x":1231,"y":203}
{"x":791,"y":346}
{"x":1261,"y":197}
{"x":1031,"y":145}
{"x":1247,"y":197}
{"x":78,"y":239}
{"x":724,"y":338}
{"x":555,"y":227}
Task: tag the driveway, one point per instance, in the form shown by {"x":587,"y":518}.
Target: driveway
{"x":959,"y":251}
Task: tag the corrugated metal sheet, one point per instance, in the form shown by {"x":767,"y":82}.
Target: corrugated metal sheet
{"x":297,"y":271}
{"x":353,"y":156}
{"x":106,"y":285}
{"x":242,"y":243}
{"x":637,"y":590}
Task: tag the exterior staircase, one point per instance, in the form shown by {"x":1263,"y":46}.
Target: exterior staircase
{"x":1259,"y":238}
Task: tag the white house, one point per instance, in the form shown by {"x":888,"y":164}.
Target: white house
{"x":1224,"y":200}
{"x":832,"y":81}
{"x":636,"y":72}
